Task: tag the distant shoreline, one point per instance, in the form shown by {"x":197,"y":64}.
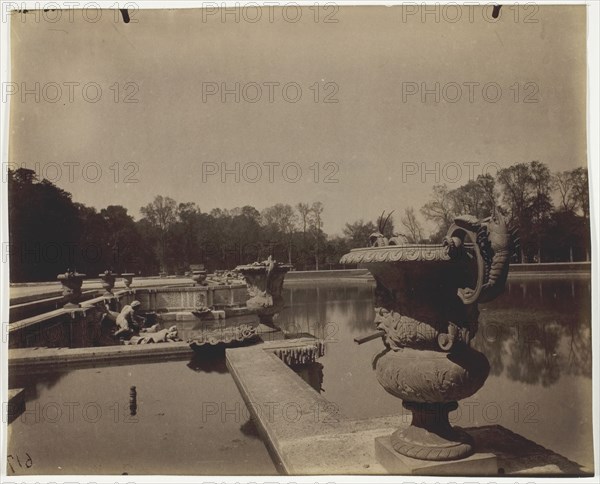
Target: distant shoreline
{"x":30,"y":291}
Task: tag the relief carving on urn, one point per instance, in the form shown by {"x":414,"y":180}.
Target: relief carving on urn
{"x":426,"y":312}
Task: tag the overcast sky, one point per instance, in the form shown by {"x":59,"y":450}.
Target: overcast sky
{"x":368,"y":61}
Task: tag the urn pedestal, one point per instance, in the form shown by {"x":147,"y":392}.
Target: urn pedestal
{"x":264,"y":283}
{"x":426,"y":310}
{"x":71,"y":286}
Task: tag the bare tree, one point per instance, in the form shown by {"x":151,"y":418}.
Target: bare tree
{"x":563,"y":182}
{"x":413,"y":227}
{"x":316,"y":210}
{"x":304,"y":211}
{"x":439,"y":210}
{"x":581,"y":191}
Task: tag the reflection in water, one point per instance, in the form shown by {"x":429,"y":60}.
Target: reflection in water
{"x":318,"y":309}
{"x":35,"y":383}
{"x":209,"y":360}
{"x":179,"y":403}
{"x":212,"y":359}
{"x":538,"y":330}
{"x":537,"y":337}
{"x":533,"y":333}
{"x":311,"y":374}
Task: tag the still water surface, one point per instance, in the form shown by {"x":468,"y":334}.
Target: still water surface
{"x":191,"y":418}
{"x":537,"y":336}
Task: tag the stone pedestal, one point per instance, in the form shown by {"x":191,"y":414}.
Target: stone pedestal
{"x":477,"y":464}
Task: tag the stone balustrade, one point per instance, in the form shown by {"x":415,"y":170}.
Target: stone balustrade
{"x":81,"y":326}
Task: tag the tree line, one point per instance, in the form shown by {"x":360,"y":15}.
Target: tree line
{"x":49,"y":232}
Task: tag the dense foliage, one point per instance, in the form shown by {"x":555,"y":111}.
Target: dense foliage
{"x":50,"y":233}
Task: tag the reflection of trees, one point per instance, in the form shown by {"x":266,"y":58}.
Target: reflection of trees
{"x":312,"y":309}
{"x":535,"y":346}
{"x":34,"y":382}
{"x":211,"y":359}
{"x":534,"y":356}
{"x":579,"y":359}
{"x":490,"y":340}
{"x":538,"y":330}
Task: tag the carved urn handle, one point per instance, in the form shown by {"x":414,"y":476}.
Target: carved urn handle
{"x":455,"y":241}
{"x":492,"y":243}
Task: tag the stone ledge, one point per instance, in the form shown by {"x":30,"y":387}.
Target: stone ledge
{"x":42,"y":357}
{"x":275,"y":385}
{"x":319,"y":440}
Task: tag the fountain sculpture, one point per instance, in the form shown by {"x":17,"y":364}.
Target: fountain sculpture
{"x":426,"y":311}
{"x":264,"y":282}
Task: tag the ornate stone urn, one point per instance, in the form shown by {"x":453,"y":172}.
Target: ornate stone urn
{"x":426,"y":310}
{"x":128,"y":278}
{"x":71,"y":286}
{"x":264,"y":282}
{"x":199,"y":277}
{"x":108,"y":282}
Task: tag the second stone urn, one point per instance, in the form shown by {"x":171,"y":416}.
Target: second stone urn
{"x":264,"y":282}
{"x":199,"y":277}
{"x":108,"y":279}
{"x":426,"y":310}
{"x":71,"y":286}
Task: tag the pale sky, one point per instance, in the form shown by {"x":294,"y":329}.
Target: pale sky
{"x":365,"y":141}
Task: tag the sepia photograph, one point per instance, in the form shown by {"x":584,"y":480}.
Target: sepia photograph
{"x":299,"y":240}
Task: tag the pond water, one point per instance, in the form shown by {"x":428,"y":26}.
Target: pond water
{"x":190,"y":419}
{"x":537,"y":336}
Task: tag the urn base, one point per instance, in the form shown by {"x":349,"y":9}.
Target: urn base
{"x":477,"y":464}
{"x":430,"y":435}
